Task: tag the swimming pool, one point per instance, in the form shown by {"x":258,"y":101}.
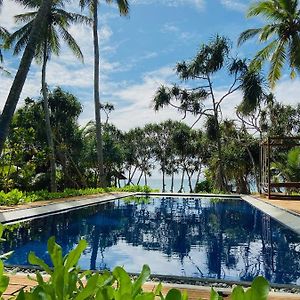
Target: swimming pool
{"x":193,"y":237}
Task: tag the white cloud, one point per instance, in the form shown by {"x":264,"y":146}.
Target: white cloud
{"x":199,"y":4}
{"x":235,"y":5}
{"x":139,"y":109}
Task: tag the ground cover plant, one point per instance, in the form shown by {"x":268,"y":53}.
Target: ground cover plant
{"x":15,"y":196}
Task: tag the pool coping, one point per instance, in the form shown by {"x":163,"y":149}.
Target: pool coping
{"x":24,"y":214}
{"x":21,"y":214}
{"x":283,"y":216}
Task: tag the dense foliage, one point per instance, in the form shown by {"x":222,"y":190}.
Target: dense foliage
{"x":131,"y":157}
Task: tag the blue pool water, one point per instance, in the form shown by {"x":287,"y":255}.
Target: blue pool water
{"x":210,"y":238}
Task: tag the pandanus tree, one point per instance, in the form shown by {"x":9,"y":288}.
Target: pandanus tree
{"x":280,"y":35}
{"x":200,"y":98}
{"x":57,"y":22}
{"x":37,"y":28}
{"x":93,"y":6}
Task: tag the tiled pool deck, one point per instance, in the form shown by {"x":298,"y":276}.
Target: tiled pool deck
{"x":280,"y":210}
{"x":18,"y":282}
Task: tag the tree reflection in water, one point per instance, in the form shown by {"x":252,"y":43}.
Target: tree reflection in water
{"x":225,"y":239}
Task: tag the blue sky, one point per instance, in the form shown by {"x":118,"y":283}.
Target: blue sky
{"x":138,"y":54}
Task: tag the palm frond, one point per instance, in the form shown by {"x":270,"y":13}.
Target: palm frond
{"x":268,"y":31}
{"x":262,"y":55}
{"x":294,"y":53}
{"x":248,"y":34}
{"x":268,"y":8}
{"x":73,"y":18}
{"x":277,"y":62}
{"x":24,"y":18}
{"x":123,"y":6}
{"x":53,"y":41}
{"x":21,"y":34}
{"x":67,"y":37}
{"x":3,"y":33}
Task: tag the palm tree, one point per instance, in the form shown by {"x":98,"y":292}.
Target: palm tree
{"x":57,"y":22}
{"x":93,"y":6}
{"x":281,"y":33}
{"x":3,"y":35}
{"x":38,"y":27}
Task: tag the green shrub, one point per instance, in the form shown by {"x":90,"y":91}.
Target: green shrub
{"x":204,"y":186}
{"x":15,"y":196}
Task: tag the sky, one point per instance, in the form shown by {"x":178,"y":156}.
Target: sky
{"x":138,"y":54}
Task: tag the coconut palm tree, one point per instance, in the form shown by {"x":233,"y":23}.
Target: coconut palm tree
{"x":93,"y":7}
{"x":281,"y":33}
{"x":38,"y":27}
{"x":57,"y":22}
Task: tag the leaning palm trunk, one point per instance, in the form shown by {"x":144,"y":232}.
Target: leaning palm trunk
{"x":99,"y":141}
{"x":50,"y":142}
{"x":20,"y":78}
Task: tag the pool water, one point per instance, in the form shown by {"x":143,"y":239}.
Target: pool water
{"x":196,"y":237}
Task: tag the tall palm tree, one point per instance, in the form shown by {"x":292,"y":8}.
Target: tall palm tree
{"x":38,"y":27}
{"x":3,"y":35}
{"x":93,"y":6}
{"x":281,"y":33}
{"x":57,"y":22}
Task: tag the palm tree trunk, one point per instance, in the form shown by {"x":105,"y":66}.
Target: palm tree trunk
{"x":20,"y":78}
{"x":172,"y":182}
{"x":182,"y":180}
{"x":163,"y":178}
{"x":138,"y":182}
{"x":50,"y":142}
{"x":97,"y":95}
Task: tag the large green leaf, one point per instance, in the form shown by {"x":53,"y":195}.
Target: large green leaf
{"x":124,"y":281}
{"x":73,"y":257}
{"x":143,"y":277}
{"x":34,"y":260}
{"x":173,"y":294}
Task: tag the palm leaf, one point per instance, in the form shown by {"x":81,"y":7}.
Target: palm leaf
{"x":263,"y":55}
{"x":294,"y":53}
{"x":24,"y":18}
{"x":268,"y":31}
{"x":123,"y":6}
{"x":268,"y":8}
{"x":247,"y":34}
{"x":277,"y":62}
{"x":67,"y":37}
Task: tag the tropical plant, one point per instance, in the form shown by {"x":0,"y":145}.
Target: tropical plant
{"x":93,"y":7}
{"x":57,"y":22}
{"x":67,"y":282}
{"x":202,"y":101}
{"x":281,"y":33}
{"x":38,"y":27}
{"x":287,"y":165}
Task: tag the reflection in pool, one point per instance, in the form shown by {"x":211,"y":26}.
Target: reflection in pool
{"x":210,"y":238}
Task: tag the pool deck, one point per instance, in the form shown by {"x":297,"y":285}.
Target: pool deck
{"x":287,"y":212}
{"x":19,"y":281}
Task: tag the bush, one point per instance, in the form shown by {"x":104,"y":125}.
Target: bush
{"x":204,"y":186}
{"x":15,"y":196}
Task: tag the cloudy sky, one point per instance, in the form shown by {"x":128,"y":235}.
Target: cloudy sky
{"x":138,"y":54}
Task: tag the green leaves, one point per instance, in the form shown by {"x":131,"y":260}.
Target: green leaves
{"x":65,"y":282}
{"x":259,"y":290}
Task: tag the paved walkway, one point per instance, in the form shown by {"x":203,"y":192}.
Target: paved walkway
{"x":36,"y":209}
{"x":18,"y":282}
